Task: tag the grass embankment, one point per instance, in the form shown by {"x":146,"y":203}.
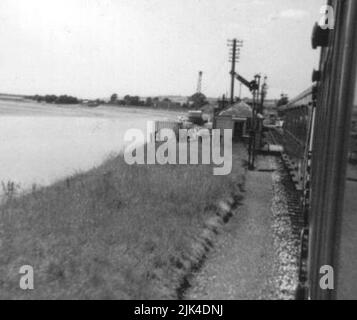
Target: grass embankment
{"x":113,"y":232}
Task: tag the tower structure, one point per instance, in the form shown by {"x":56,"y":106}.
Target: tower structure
{"x":199,"y":82}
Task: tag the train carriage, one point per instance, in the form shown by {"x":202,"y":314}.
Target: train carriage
{"x":298,"y":117}
{"x":323,"y":122}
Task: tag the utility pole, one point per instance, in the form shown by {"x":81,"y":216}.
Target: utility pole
{"x":234,"y":58}
{"x":233,"y":69}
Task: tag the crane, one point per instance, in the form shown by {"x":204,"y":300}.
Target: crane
{"x":199,"y":82}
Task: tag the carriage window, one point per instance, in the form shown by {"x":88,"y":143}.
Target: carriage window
{"x":353,"y":142}
{"x":352,"y":155}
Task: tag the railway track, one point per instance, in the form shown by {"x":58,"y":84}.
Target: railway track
{"x":293,"y":197}
{"x":276,"y":136}
{"x":289,"y":215}
{"x":292,"y":191}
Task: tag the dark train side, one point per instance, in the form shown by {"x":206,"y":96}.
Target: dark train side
{"x":320,"y":138}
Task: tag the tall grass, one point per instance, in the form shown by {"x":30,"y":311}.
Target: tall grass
{"x":110,"y":233}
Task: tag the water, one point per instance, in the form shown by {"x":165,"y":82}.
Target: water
{"x":42,"y":147}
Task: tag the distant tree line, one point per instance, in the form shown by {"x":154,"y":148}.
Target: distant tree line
{"x":129,"y":100}
{"x":196,"y":101}
{"x":51,"y":98}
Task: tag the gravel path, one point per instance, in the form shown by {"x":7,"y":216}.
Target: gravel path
{"x":241,"y":265}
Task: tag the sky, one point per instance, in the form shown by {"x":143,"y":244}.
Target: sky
{"x":93,"y":48}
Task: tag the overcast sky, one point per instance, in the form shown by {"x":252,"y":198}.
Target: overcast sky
{"x":93,"y":48}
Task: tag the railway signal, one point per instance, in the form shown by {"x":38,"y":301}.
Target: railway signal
{"x":263,"y":93}
{"x":253,"y":86}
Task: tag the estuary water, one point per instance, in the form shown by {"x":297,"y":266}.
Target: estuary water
{"x":40,"y":144}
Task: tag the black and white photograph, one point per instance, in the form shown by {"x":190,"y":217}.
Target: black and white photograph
{"x":178,"y":154}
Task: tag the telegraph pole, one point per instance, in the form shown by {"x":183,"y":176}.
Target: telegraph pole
{"x":233,"y":69}
{"x":234,"y":58}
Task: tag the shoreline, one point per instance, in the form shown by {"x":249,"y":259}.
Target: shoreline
{"x":30,"y":108}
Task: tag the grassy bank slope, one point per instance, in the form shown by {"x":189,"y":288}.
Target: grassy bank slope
{"x":113,"y":232}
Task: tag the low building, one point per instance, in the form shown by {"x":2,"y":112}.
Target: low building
{"x":237,"y":117}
